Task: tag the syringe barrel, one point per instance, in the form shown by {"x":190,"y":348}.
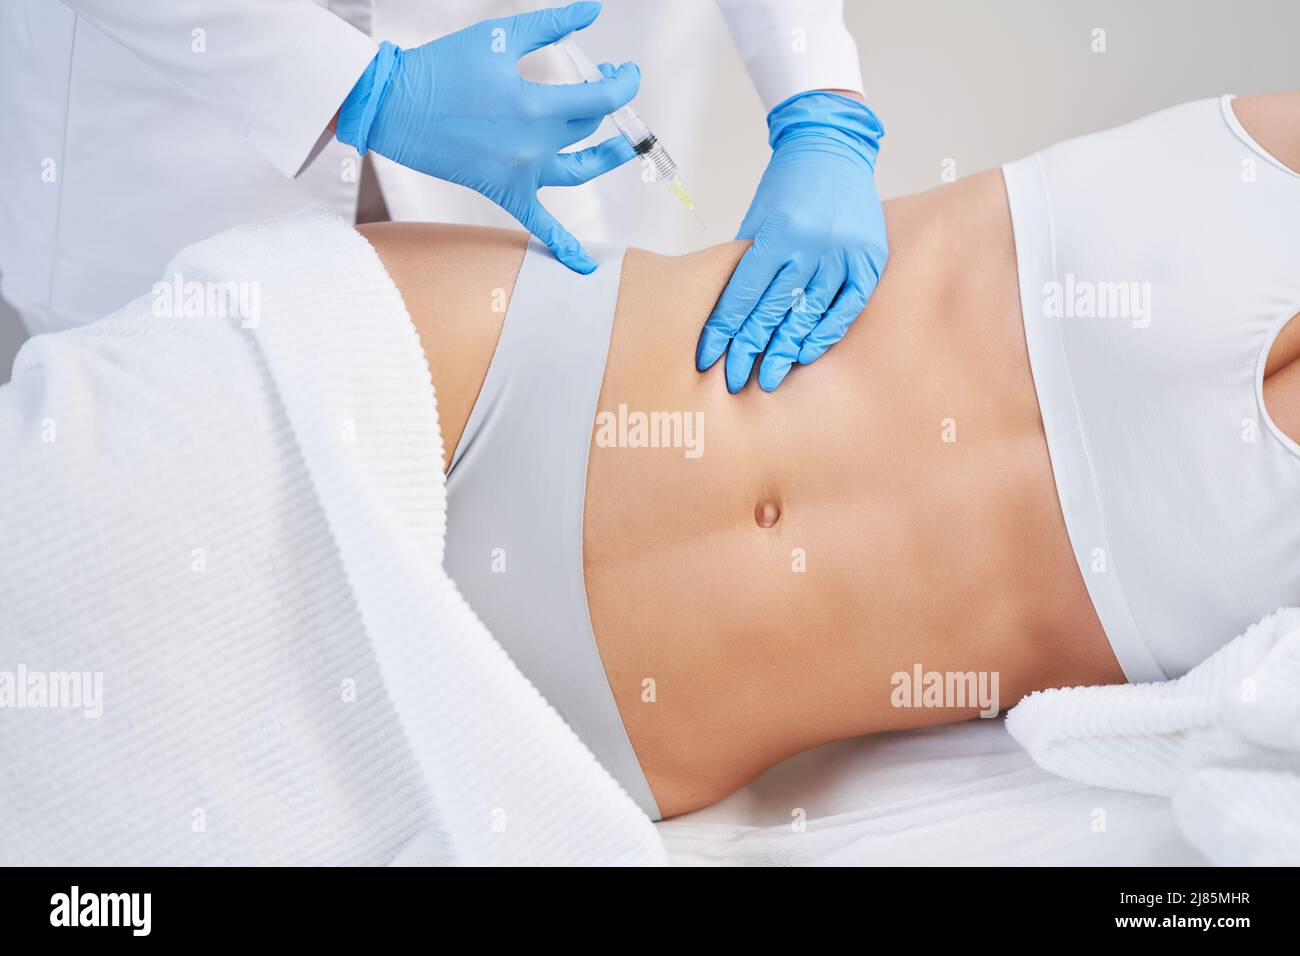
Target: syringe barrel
{"x":630,"y":125}
{"x":625,"y":118}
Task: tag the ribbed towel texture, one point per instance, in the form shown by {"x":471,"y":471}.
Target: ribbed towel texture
{"x":237,"y":528}
{"x":1223,"y":741}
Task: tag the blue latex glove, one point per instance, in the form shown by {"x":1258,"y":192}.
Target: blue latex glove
{"x":457,"y":109}
{"x":819,"y":243}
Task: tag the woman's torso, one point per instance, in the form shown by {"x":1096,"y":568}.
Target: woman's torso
{"x":918,"y":523}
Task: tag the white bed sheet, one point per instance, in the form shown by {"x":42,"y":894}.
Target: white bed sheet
{"x":963,"y":794}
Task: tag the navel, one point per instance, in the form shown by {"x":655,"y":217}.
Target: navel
{"x":767,"y":514}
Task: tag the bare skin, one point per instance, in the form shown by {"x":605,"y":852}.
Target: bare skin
{"x":916,"y":550}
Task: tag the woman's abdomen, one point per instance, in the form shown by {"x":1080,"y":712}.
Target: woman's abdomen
{"x":757,"y":579}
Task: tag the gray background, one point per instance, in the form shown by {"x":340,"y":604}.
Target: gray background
{"x":981,"y":82}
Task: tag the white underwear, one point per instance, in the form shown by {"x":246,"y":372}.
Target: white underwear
{"x":1158,"y":262}
{"x":515,"y":494}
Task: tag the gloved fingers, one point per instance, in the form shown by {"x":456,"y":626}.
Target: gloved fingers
{"x":538,"y":28}
{"x":804,"y":316}
{"x":576,"y":168}
{"x":539,"y":221}
{"x":756,"y":331}
{"x":846,"y":307}
{"x":579,"y":129}
{"x":584,"y":126}
{"x":577,"y":100}
{"x":758,"y":266}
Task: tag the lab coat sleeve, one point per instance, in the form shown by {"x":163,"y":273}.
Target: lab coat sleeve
{"x":790,"y":46}
{"x":274,"y":71}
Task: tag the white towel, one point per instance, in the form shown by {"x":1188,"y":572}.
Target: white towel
{"x":1223,"y":741}
{"x":238,"y":531}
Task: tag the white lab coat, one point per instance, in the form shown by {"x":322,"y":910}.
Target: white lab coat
{"x":135,"y":128}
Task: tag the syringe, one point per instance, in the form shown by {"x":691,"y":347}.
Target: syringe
{"x":645,"y":143}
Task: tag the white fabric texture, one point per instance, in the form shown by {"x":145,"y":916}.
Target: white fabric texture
{"x":1223,"y":741}
{"x":965,"y":794}
{"x":308,"y":57}
{"x":241,"y":529}
{"x":134,"y":129}
{"x":792,"y":46}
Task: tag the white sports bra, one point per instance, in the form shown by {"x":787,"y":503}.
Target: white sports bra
{"x":1158,"y":262}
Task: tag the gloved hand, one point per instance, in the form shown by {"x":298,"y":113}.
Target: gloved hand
{"x":819,"y":243}
{"x":457,"y":109}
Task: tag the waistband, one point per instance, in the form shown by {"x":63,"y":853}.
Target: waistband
{"x":516,"y":489}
